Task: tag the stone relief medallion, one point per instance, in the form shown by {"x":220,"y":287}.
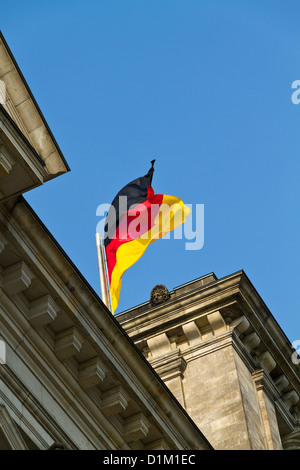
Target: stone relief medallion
{"x":159,"y":295}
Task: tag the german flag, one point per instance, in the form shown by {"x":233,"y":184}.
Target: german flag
{"x":136,"y":218}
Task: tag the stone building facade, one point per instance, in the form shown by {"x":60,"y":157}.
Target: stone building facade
{"x":203,"y":367}
{"x":223,"y":355}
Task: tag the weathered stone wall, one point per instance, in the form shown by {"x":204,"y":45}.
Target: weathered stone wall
{"x":225,"y":359}
{"x":214,"y":399}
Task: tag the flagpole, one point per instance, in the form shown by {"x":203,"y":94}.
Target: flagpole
{"x":102,"y":272}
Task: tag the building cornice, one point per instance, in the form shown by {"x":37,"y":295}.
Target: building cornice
{"x":98,"y":330}
{"x":233,"y":295}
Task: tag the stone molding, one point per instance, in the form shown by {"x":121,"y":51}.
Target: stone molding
{"x":170,"y":365}
{"x":136,"y":427}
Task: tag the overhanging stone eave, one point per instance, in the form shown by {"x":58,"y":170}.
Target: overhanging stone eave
{"x":269,"y":330}
{"x":27,"y":114}
{"x":255,"y":301}
{"x":21,"y":167}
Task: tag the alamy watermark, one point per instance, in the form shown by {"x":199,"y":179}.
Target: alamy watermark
{"x":296,"y":94}
{"x":161,"y":220}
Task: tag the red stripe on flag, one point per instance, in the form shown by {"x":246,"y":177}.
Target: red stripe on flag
{"x":144,"y":213}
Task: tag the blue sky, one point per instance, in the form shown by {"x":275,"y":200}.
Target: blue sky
{"x":202,"y":86}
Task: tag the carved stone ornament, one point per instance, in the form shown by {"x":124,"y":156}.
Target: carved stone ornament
{"x":159,"y":295}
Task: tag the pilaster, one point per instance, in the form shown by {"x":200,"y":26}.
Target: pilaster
{"x":223,"y":356}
